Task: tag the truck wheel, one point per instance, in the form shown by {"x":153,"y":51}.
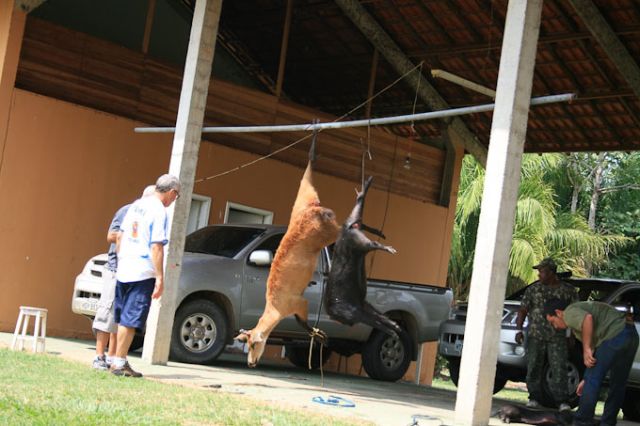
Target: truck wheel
{"x":199,"y":332}
{"x":299,"y":356}
{"x":137,"y":342}
{"x":387,"y":358}
{"x":631,"y":405}
{"x":574,"y":375}
{"x":454,"y":372}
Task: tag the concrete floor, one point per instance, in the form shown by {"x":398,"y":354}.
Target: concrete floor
{"x":381,"y":403}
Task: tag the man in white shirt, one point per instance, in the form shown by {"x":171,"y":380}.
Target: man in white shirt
{"x":140,"y":266}
{"x":104,"y":324}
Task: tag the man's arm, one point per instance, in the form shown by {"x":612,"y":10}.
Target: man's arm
{"x":117,"y":241}
{"x":587,"y":334}
{"x":112,"y":236}
{"x":522,"y":314}
{"x":157,"y":257}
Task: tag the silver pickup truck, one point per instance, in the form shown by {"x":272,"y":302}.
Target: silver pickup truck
{"x":222,"y":290}
{"x":512,"y":361}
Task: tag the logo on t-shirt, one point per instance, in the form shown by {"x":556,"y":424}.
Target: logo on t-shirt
{"x":134,"y":231}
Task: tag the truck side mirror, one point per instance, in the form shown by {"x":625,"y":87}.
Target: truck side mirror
{"x":261,"y":258}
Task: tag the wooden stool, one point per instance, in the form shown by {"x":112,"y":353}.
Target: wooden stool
{"x":39,"y":329}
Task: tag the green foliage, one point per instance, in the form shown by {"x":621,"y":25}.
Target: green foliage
{"x":543,"y":227}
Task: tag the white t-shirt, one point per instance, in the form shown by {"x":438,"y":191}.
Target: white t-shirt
{"x":145,"y":224}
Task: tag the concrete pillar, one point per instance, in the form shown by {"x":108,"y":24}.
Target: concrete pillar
{"x":491,"y":262}
{"x":184,"y":159}
{"x":12,"y":21}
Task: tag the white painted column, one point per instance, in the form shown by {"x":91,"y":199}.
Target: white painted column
{"x":491,"y":262}
{"x":184,"y":159}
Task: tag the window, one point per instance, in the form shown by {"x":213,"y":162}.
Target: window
{"x":271,"y":243}
{"x":198,"y":213}
{"x":225,"y":241}
{"x":237,"y":213}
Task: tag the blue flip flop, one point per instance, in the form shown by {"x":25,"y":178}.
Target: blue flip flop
{"x":334,"y":400}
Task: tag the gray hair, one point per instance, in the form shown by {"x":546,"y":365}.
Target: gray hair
{"x":149,"y":190}
{"x":166,"y":183}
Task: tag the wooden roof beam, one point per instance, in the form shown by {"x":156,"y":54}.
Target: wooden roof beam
{"x":609,"y":41}
{"x":401,"y":63}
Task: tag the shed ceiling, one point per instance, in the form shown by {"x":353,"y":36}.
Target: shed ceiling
{"x":329,"y":63}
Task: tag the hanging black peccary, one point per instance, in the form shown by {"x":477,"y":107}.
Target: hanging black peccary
{"x":346,"y":290}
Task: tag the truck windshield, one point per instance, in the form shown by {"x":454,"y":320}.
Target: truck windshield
{"x":224,"y":241}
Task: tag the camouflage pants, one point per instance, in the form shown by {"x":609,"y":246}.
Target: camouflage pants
{"x":556,"y":351}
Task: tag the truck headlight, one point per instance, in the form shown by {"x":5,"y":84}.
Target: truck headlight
{"x":519,"y":350}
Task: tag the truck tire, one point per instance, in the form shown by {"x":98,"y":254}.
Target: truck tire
{"x":575,"y":372}
{"x":299,"y":356}
{"x":137,"y":342}
{"x":631,"y":405}
{"x":199,"y":334}
{"x":454,"y":372}
{"x":387,"y":358}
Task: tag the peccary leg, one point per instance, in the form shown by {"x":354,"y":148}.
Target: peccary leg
{"x":356,"y":213}
{"x":370,"y":316}
{"x":374,"y":231}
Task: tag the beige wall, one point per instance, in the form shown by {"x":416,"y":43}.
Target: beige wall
{"x":67,"y":169}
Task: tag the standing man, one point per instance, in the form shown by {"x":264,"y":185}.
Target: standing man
{"x":141,"y":266}
{"x":104,"y":324}
{"x":543,"y":341}
{"x":609,"y":344}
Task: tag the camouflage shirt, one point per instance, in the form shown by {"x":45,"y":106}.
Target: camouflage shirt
{"x":534,"y":299}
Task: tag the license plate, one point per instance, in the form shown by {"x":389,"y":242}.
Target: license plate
{"x":90,"y":305}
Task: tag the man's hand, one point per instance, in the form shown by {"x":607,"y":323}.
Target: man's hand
{"x":579,"y":388}
{"x":587,"y":356}
{"x":158,"y":289}
{"x":519,"y":337}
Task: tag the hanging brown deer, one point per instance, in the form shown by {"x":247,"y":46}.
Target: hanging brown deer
{"x":311,"y":228}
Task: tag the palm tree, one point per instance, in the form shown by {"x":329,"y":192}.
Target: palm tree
{"x":541,"y":229}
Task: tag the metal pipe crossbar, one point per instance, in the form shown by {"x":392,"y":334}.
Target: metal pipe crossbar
{"x":361,"y":123}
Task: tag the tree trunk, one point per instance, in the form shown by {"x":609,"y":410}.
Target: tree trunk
{"x":575,"y":186}
{"x":595,"y":195}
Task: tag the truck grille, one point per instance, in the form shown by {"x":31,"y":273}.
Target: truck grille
{"x":452,"y":338}
{"x":88,"y":295}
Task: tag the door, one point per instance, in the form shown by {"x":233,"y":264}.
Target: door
{"x":254,"y":285}
{"x":254,"y":292}
{"x":237,"y":213}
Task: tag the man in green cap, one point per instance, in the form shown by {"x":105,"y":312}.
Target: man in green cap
{"x":543,"y":342}
{"x":609,"y":345}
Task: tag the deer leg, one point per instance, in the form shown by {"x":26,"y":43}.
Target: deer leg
{"x":300,"y":307}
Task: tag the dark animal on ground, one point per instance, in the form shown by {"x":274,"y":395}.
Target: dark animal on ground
{"x":346,"y":290}
{"x":311,"y":228}
{"x":517,"y":413}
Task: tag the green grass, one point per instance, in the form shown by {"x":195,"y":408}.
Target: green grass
{"x":45,"y":390}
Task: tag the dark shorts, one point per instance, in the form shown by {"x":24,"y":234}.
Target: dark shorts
{"x":132,"y":303}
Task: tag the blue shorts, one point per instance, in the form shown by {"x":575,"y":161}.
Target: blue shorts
{"x":132,"y":302}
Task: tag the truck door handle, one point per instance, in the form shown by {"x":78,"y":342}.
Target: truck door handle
{"x":312,"y":283}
